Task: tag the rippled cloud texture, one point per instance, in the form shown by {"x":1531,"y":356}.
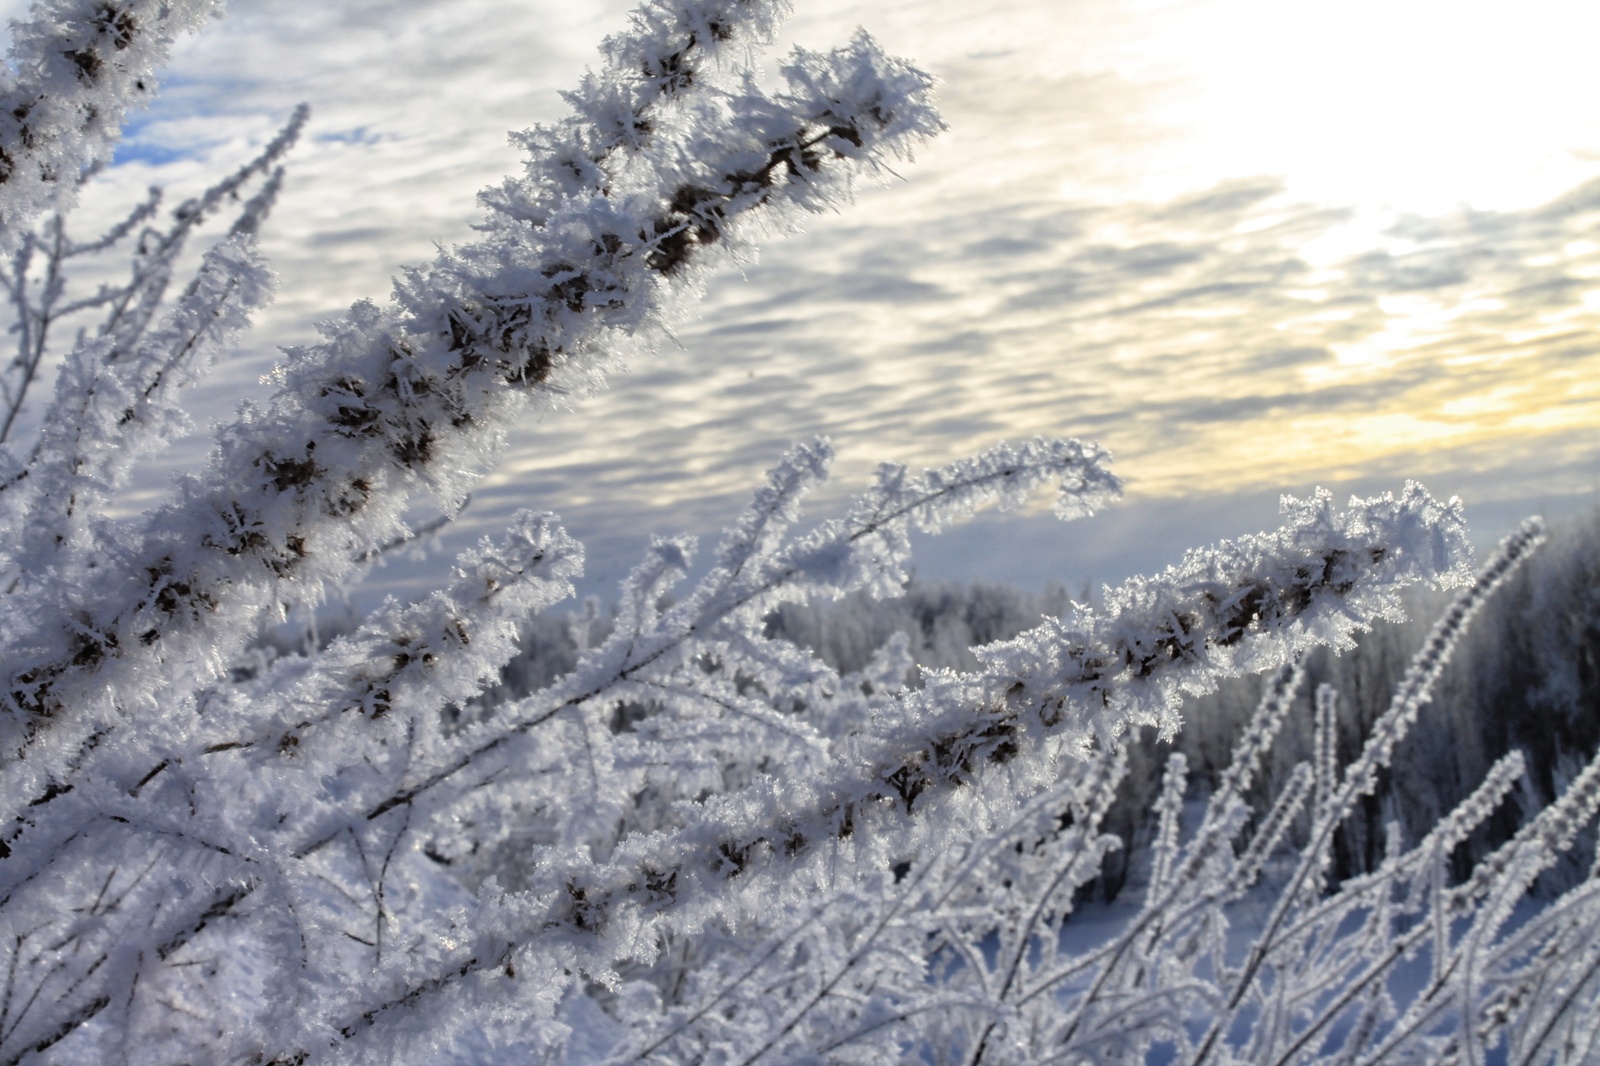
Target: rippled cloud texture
{"x":1247,"y":250}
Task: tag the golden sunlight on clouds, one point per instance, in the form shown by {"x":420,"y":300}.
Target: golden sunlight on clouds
{"x":1095,"y":238}
{"x":1211,"y":363}
{"x":1247,"y":245}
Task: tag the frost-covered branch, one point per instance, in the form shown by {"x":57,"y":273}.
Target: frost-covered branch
{"x":106,"y":415}
{"x":718,"y":845}
{"x":117,"y":394}
{"x":132,"y":306}
{"x":413,"y":398}
{"x":129,"y":307}
{"x":1323,"y":993}
{"x":922,"y":759}
{"x":152,"y":791}
{"x":1360,"y":777}
{"x":79,"y":66}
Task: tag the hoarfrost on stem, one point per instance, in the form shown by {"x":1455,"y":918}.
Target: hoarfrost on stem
{"x":701,"y":833}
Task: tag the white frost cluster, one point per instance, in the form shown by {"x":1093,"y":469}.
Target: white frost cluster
{"x":702,"y":844}
{"x":75,"y":70}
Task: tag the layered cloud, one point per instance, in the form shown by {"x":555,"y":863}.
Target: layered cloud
{"x":1196,"y":231}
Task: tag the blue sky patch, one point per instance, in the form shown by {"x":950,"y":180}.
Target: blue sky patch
{"x":358,"y":135}
{"x":155,"y":155}
{"x":134,"y":148}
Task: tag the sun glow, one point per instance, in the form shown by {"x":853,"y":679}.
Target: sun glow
{"x":1422,"y":105}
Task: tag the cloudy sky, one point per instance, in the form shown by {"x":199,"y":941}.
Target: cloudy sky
{"x":1250,"y":246}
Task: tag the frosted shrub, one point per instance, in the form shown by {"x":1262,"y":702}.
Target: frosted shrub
{"x":737,"y":852}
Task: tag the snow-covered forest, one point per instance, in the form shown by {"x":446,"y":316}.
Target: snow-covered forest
{"x":788,"y":806}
